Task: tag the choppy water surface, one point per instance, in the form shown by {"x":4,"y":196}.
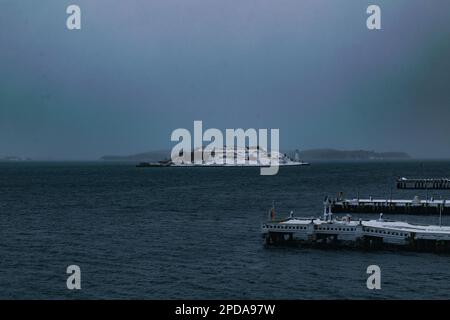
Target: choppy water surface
{"x":161,"y":233}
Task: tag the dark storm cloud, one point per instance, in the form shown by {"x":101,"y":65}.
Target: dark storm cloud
{"x":139,"y":69}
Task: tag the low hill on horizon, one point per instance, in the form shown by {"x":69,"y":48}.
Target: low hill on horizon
{"x":151,"y":156}
{"x":333,"y":154}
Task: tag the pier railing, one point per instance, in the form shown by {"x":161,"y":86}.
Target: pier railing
{"x":424,"y":184}
{"x":414,"y":206}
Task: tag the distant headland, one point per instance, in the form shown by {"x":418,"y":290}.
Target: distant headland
{"x":150,"y":156}
{"x":333,"y":154}
{"x":14,"y":158}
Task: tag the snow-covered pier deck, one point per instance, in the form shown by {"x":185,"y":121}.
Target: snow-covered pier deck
{"x":367,"y":234}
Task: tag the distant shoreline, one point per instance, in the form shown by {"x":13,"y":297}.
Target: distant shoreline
{"x":134,"y":162}
{"x":304,"y":155}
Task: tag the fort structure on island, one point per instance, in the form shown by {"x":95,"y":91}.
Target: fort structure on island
{"x":228,"y":157}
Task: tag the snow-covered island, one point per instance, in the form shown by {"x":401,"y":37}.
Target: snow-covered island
{"x":228,"y":157}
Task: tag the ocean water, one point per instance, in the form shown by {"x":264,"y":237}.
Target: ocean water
{"x":166,"y":233}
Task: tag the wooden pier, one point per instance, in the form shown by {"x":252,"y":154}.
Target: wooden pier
{"x":424,"y":184}
{"x":414,"y":206}
{"x":364,"y":234}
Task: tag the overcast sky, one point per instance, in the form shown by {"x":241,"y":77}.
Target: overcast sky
{"x":139,"y":69}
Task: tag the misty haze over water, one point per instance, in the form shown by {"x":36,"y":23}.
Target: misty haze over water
{"x":137,"y":70}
